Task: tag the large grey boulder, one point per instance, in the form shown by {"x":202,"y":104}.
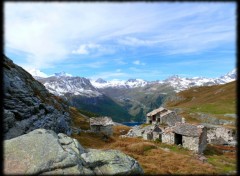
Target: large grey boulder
{"x":44,"y":152}
{"x":28,"y":105}
{"x":111,"y":162}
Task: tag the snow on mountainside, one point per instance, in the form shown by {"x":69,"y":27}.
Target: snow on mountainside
{"x":131,"y":83}
{"x":62,"y":84}
{"x":180,"y":84}
{"x":62,"y":74}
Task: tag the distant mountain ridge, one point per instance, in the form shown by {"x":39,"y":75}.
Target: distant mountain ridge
{"x":80,"y":85}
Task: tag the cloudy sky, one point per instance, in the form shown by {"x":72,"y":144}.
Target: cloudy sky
{"x":151,"y":41}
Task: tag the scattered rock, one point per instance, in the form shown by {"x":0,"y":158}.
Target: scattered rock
{"x":60,"y":154}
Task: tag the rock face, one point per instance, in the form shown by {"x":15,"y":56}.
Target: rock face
{"x":60,"y":154}
{"x":28,"y":105}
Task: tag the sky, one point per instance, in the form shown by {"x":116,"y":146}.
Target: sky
{"x":146,"y":40}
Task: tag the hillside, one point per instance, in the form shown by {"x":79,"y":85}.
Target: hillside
{"x":199,"y":103}
{"x":140,"y":100}
{"x":161,"y":158}
{"x":28,"y":105}
{"x":101,"y":105}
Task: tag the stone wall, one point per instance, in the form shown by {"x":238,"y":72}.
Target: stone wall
{"x":107,"y":130}
{"x":192,"y":143}
{"x":168,"y":138}
{"x":203,"y":140}
{"x":220,"y":135}
{"x":170,"y":119}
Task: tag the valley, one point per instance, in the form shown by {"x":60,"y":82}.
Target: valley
{"x":124,"y":101}
{"x":45,"y":113}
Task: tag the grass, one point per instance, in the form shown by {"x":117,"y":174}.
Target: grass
{"x":222,"y":161}
{"x":213,"y":100}
{"x":78,"y":119}
{"x":154,"y":156}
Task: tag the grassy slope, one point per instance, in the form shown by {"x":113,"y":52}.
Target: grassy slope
{"x":215,"y":100}
{"x":141,"y":100}
{"x":161,"y":158}
{"x":103,"y":106}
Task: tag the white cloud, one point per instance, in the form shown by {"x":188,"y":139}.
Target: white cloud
{"x":50,"y":32}
{"x":86,"y":48}
{"x":132,"y":41}
{"x":137,"y":62}
{"x":119,"y":61}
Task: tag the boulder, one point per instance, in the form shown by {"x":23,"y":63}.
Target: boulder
{"x":45,"y":152}
{"x":111,"y":162}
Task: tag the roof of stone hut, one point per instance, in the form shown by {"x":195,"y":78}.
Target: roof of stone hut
{"x":103,"y":121}
{"x":160,"y":109}
{"x":187,"y":129}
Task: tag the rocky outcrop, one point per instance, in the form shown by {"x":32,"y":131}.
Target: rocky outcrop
{"x":28,"y":105}
{"x":111,"y":162}
{"x":44,"y":152}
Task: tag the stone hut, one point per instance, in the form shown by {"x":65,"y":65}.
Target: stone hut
{"x":220,"y":135}
{"x":163,"y":116}
{"x":151,"y":132}
{"x":193,"y":137}
{"x":102,"y":125}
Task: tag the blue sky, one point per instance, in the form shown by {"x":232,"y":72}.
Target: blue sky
{"x":151,"y":41}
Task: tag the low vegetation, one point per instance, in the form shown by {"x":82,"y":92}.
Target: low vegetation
{"x":154,"y":156}
{"x":215,"y":101}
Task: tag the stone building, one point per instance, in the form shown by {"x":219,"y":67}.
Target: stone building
{"x":102,"y":125}
{"x":220,"y":135}
{"x":163,"y":116}
{"x":193,"y":137}
{"x":152,"y":132}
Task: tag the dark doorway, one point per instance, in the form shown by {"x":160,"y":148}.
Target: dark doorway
{"x":154,"y":118}
{"x":178,"y":139}
{"x":150,"y":121}
{"x":160,"y":137}
{"x":158,"y":120}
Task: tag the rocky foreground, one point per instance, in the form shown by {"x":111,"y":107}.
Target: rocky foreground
{"x":28,"y":105}
{"x":45,"y":152}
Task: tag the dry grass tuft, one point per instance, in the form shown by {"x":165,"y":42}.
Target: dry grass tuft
{"x":140,"y":148}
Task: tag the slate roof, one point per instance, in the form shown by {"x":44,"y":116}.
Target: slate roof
{"x":187,"y":129}
{"x":160,"y":109}
{"x":103,"y":121}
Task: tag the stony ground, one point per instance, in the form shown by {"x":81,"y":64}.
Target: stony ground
{"x":159,"y":158}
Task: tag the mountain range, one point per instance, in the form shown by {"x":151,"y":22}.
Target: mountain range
{"x":62,"y":82}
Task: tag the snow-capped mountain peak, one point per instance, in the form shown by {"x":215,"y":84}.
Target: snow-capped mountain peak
{"x":62,"y":83}
{"x":100,"y":80}
{"x":131,"y":83}
{"x":62,"y":74}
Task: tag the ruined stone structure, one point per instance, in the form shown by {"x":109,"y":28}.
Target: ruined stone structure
{"x":163,"y":116}
{"x":102,"y":125}
{"x":152,"y":132}
{"x":189,"y":136}
{"x":220,"y":135}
